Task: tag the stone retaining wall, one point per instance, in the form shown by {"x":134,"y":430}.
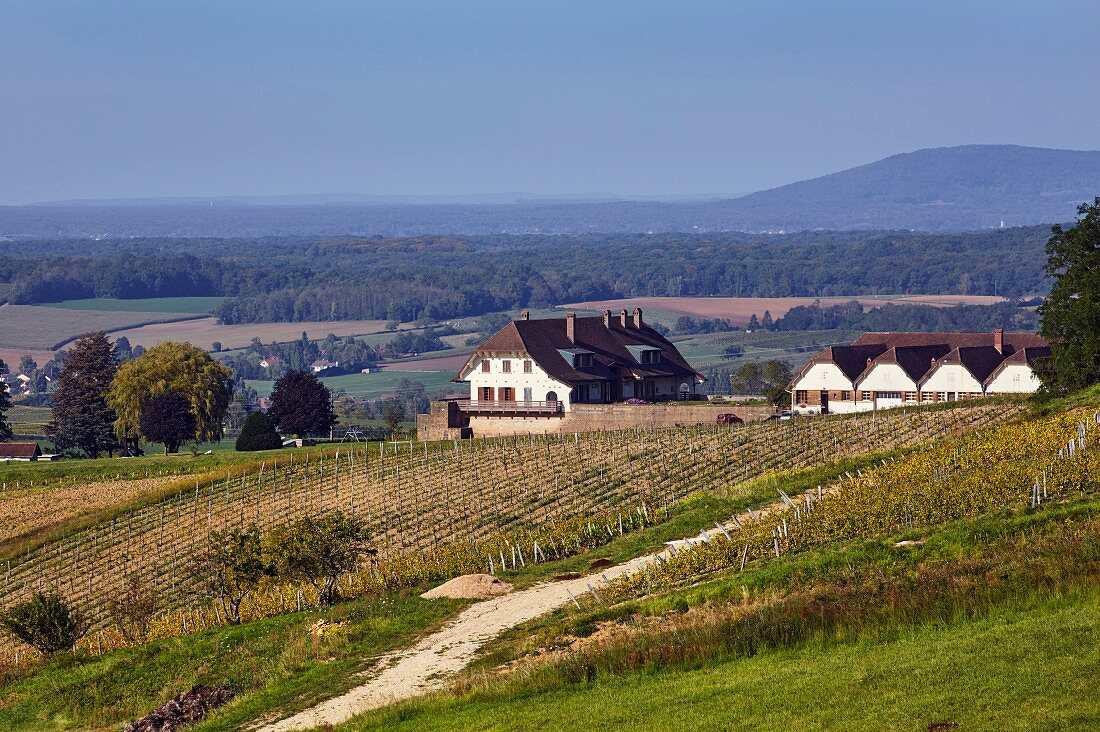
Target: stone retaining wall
{"x":446,"y":422}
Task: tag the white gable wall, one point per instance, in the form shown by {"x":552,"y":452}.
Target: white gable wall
{"x":1015,"y":378}
{"x":886,"y":377}
{"x":952,"y":377}
{"x":824,"y":376}
{"x":538,"y":381}
{"x":890,"y":378}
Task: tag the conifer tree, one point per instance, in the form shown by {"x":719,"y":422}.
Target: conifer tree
{"x":81,"y":416}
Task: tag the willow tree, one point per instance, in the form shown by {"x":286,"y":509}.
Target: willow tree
{"x":172,"y":367}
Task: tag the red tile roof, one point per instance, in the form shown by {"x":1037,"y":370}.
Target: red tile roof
{"x":1013,"y":340}
{"x":24,"y":450}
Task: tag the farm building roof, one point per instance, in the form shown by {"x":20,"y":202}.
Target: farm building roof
{"x":19,"y":450}
{"x":918,"y":353}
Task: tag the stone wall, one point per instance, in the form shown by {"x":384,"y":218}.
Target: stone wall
{"x":441,"y":423}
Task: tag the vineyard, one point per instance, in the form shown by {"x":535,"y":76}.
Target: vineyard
{"x":441,"y":509}
{"x":1013,"y":466}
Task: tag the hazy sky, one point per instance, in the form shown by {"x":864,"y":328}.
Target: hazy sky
{"x":118,"y":99}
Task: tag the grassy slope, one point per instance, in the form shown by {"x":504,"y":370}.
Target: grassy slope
{"x":1007,"y":671}
{"x":272,"y":663}
{"x":183,"y":305}
{"x":901,"y":658}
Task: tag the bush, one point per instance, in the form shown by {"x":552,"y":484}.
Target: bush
{"x":258,"y":433}
{"x":45,"y":622}
{"x":231,"y":566}
{"x":320,"y":550}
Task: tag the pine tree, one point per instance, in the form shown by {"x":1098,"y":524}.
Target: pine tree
{"x":5,"y":405}
{"x":1071,"y":313}
{"x":81,"y":417}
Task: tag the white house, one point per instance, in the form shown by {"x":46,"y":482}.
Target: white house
{"x":545,"y":366}
{"x":881,"y":370}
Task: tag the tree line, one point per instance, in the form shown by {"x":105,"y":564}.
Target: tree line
{"x":436,"y":278}
{"x":171,"y":394}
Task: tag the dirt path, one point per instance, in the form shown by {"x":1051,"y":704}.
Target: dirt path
{"x":428,"y":665}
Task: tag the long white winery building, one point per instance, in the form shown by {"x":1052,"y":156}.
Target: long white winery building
{"x":882,"y":370}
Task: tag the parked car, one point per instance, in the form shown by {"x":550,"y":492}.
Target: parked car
{"x":729,"y":419}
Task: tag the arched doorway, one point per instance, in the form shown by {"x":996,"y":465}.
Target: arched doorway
{"x":552,"y":397}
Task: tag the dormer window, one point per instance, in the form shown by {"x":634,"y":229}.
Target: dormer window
{"x":582,"y":360}
{"x":645,"y":354}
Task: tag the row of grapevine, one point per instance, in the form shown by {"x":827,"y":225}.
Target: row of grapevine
{"x":1010,"y":466}
{"x":416,"y":497}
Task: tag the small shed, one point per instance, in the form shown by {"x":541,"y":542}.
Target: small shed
{"x":28,"y":451}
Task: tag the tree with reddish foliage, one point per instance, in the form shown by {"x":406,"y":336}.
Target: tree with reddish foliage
{"x":301,"y":405}
{"x":168,"y":418}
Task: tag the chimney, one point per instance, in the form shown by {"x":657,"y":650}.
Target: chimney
{"x":999,"y":340}
{"x":525,"y":315}
{"x":638,"y":318}
{"x":571,"y":327}
{"x":622,"y":317}
{"x":607,"y":319}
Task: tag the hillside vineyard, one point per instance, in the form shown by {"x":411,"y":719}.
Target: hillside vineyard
{"x":421,"y":496}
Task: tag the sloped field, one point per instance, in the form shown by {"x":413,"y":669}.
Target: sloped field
{"x":418,"y":498}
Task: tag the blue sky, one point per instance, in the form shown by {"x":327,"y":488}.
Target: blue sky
{"x":121,"y":99}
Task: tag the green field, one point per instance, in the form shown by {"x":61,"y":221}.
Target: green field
{"x":182,"y":305}
{"x":271,"y":662}
{"x":796,"y":347}
{"x":1009,"y":671}
{"x":374,"y":385}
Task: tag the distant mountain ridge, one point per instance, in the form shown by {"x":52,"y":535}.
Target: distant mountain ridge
{"x":970,"y":186}
{"x":940,"y":189}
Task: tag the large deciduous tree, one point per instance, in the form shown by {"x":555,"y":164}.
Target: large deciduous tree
{"x":172,"y":367}
{"x":1071,"y":313}
{"x":81,"y":416}
{"x":167,"y":418}
{"x":301,"y":405}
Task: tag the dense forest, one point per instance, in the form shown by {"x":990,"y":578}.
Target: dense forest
{"x":922,"y":318}
{"x":434,"y":278}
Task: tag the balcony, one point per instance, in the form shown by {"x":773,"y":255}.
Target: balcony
{"x":524,"y":408}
